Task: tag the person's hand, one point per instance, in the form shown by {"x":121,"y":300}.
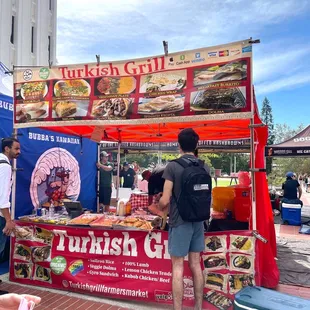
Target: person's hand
{"x":158,"y":196}
{"x":11,"y":301}
{"x":98,"y":165}
{"x":9,"y":227}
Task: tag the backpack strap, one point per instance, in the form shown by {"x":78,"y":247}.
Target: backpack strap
{"x":187,"y":162}
{"x":183,"y":162}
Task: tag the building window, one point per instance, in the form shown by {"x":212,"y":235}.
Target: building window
{"x":12,"y":30}
{"x":50,"y":5}
{"x":32,"y":39}
{"x":49,"y":48}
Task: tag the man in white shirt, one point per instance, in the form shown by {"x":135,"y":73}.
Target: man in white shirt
{"x":10,"y":149}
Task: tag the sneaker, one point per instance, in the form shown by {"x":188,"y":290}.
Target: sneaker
{"x":276,"y":212}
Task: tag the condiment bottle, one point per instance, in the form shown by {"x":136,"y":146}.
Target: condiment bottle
{"x":128,"y":208}
{"x":121,"y":208}
{"x":51,"y":210}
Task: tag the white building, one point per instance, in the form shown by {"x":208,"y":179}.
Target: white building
{"x":28,"y":32}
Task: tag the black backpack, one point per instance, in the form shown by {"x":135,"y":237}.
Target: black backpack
{"x":196,"y":187}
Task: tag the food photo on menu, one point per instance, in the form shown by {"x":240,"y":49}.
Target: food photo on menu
{"x":215,"y":243}
{"x":239,"y":262}
{"x":31,"y":91}
{"x":115,"y":85}
{"x":27,"y":112}
{"x":238,"y":281}
{"x":216,"y":281}
{"x":213,"y":262}
{"x":70,"y":108}
{"x":218,"y":300}
{"x":72,"y":88}
{"x":41,"y":254}
{"x":242,"y":243}
{"x":213,"y":99}
{"x":42,"y":274}
{"x":43,"y":235}
{"x":22,"y":252}
{"x":163,"y":81}
{"x":22,"y":270}
{"x":161,"y":105}
{"x":232,"y":71}
{"x":112,"y":108}
{"x":23,"y":232}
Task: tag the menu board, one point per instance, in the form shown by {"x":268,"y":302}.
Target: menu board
{"x":214,"y":80}
{"x":126,"y":264}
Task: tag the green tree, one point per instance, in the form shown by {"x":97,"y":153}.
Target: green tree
{"x":281,"y":165}
{"x":284,"y":132}
{"x":267,"y":118}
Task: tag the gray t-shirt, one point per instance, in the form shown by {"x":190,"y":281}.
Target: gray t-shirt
{"x":173,"y":172}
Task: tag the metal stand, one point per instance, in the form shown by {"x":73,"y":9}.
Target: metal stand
{"x":118,"y":172}
{"x":14,"y":169}
{"x":98,"y":179}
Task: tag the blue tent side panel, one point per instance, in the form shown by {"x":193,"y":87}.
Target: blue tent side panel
{"x":45,"y":157}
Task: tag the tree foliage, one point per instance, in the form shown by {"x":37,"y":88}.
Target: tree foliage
{"x":267,"y":118}
{"x":282,"y":165}
{"x":284,"y":132}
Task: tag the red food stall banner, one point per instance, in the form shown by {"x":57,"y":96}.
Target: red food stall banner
{"x":125,"y":264}
{"x":213,"y":80}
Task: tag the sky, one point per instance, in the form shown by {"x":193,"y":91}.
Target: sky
{"x":125,"y":29}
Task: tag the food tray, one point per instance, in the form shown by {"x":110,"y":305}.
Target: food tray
{"x":84,"y":219}
{"x":101,"y":221}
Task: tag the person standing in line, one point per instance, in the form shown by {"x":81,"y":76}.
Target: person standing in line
{"x":115,"y":178}
{"x":105,"y":181}
{"x":185,"y":238}
{"x":10,"y":148}
{"x":129,"y":175}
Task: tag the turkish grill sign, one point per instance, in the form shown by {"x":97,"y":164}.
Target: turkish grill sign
{"x":132,"y":265}
{"x":213,"y":80}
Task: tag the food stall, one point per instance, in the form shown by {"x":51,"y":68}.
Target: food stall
{"x":146,"y":100}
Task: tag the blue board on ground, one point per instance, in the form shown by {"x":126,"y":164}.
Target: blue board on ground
{"x":259,"y":298}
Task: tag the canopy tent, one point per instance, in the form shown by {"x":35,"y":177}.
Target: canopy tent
{"x":237,"y":118}
{"x":297,"y":146}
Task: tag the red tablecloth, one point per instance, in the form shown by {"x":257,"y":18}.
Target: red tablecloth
{"x":139,"y":201}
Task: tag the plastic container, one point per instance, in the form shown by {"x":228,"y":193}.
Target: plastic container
{"x":128,"y":208}
{"x":242,"y":203}
{"x":258,"y":298}
{"x":291,"y":214}
{"x":223,"y":198}
{"x":244,"y":178}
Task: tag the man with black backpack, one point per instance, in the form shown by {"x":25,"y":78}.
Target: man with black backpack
{"x":187,"y":193}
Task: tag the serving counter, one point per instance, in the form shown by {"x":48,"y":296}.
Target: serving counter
{"x":128,"y":264}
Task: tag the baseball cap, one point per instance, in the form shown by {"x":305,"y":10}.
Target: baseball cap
{"x":289,"y":174}
{"x":104,"y":154}
{"x":146,"y":174}
{"x":125,"y":163}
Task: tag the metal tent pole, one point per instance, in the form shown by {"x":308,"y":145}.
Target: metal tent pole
{"x":253,"y":189}
{"x":98,"y":178}
{"x":118,"y":172}
{"x":14,"y":169}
